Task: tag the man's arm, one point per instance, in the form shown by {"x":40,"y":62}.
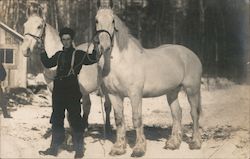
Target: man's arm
{"x":49,"y":62}
{"x":46,"y":61}
{"x":92,"y":58}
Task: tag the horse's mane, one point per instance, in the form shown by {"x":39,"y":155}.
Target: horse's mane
{"x":123,"y":36}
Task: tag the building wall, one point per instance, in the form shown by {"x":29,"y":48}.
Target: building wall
{"x":16,"y":74}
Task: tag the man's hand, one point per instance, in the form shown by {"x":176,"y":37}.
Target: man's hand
{"x":96,"y":40}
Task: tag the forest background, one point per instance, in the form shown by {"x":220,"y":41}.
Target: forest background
{"x":216,"y":30}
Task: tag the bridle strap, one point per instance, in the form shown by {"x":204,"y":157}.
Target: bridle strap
{"x":42,"y":34}
{"x":34,"y":36}
{"x":97,"y":33}
{"x":105,"y":31}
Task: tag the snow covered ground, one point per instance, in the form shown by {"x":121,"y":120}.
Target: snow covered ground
{"x":224,"y":124}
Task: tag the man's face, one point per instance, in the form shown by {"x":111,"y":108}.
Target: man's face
{"x":66,"y":40}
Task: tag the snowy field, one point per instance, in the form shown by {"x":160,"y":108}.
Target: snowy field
{"x":224,"y":126}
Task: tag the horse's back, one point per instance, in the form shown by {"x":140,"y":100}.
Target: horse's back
{"x":179,"y":53}
{"x":169,"y":66}
{"x":191,"y":62}
{"x":164,"y":69}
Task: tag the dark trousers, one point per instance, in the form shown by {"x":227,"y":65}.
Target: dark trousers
{"x":3,"y":102}
{"x":66,"y":95}
{"x":59,"y":105}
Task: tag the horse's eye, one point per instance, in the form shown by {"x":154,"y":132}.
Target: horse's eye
{"x":113,"y":21}
{"x":39,"y":27}
{"x":96,"y":21}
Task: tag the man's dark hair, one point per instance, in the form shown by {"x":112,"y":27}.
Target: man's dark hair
{"x":67,"y":30}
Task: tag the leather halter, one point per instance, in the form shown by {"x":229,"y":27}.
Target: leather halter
{"x":41,"y":35}
{"x":105,"y":31}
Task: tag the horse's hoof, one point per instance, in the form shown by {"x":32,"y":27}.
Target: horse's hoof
{"x":173,"y":144}
{"x":138,"y":153}
{"x":193,"y":145}
{"x":116,"y":151}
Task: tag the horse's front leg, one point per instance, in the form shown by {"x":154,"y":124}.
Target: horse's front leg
{"x":107,"y":106}
{"x":140,"y":146}
{"x":119,"y":147}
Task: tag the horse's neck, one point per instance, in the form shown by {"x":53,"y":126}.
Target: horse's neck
{"x":52,"y":41}
{"x":52,"y":44}
{"x":133,"y":50}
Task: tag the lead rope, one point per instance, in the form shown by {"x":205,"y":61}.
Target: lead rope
{"x":102,"y":106}
{"x":101,"y":92}
{"x":104,"y":122}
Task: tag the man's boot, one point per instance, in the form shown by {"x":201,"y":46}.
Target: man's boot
{"x":78,"y":144}
{"x":56,"y":142}
{"x":3,"y":104}
{"x":5,"y":112}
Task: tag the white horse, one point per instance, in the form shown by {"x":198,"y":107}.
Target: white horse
{"x":131,"y":71}
{"x":35,"y":29}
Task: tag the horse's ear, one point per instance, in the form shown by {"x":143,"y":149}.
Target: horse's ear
{"x":39,"y":11}
{"x":43,"y":9}
{"x":104,"y":3}
{"x":116,"y":27}
{"x":111,"y":3}
{"x":27,"y":12}
{"x":98,"y":4}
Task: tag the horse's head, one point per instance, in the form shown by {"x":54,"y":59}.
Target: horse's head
{"x":34,"y":29}
{"x":105,"y":27}
{"x":110,"y":28}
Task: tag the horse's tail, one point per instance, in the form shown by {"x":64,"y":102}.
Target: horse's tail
{"x":199,"y":109}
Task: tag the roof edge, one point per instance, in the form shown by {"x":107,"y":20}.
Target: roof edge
{"x":10,"y":30}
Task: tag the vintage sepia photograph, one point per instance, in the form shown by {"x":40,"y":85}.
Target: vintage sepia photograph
{"x":153,"y":79}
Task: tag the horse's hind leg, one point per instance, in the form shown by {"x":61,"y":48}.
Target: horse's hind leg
{"x":194,"y":99}
{"x":176,"y":136}
{"x":86,"y":104}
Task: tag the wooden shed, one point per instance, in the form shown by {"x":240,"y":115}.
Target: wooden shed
{"x":11,"y":57}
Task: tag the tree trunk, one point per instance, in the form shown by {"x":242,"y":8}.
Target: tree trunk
{"x":202,"y":29}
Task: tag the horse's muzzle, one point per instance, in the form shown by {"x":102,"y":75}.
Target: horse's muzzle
{"x":105,"y":50}
{"x":26,"y":52}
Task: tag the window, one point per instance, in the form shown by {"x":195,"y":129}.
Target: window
{"x":7,"y":56}
{"x":2,"y":55}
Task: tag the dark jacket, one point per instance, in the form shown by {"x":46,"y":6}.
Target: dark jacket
{"x":64,"y":85}
{"x":63,"y":60}
{"x":2,"y":72}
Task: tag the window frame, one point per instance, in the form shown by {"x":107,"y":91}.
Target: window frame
{"x":15,"y":56}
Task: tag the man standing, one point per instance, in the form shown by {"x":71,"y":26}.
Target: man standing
{"x":3,"y":102}
{"x":66,"y":92}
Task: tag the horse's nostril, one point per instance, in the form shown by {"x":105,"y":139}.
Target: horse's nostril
{"x":101,"y":49}
{"x":28,"y":52}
